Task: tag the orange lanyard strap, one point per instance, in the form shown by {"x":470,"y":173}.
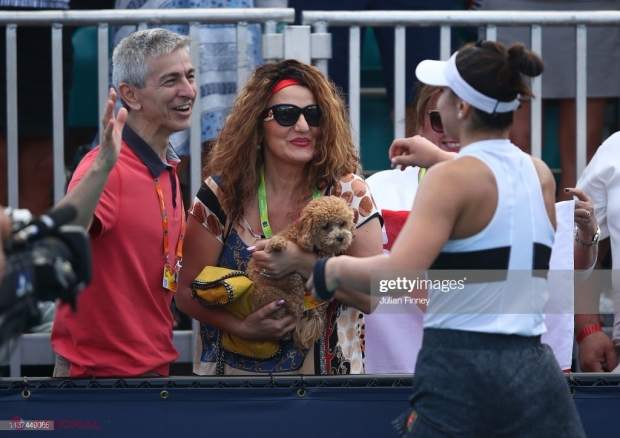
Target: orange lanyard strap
{"x":164,"y":218}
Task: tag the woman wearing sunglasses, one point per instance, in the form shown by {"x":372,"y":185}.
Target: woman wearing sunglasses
{"x":394,"y":191}
{"x":490,"y":210}
{"x":285,"y":142}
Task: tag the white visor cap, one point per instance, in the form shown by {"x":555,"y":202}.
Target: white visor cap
{"x":445,"y":74}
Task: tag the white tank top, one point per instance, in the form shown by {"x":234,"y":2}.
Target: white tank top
{"x":517,"y":240}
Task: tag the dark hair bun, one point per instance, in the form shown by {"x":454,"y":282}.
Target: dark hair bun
{"x":524,"y":60}
{"x":497,"y":72}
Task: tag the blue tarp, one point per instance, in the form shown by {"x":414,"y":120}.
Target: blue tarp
{"x":245,"y":411}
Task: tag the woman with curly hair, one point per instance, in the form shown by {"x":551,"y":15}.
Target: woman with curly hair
{"x":285,"y":142}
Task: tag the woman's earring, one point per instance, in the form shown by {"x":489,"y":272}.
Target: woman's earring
{"x":460,"y":115}
{"x":259,"y":146}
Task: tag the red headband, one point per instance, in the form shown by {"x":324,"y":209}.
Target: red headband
{"x":283,"y":84}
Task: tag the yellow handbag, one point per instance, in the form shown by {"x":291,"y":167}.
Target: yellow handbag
{"x":232,"y":290}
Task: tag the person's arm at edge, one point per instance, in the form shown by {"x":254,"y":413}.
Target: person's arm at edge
{"x":85,"y":195}
{"x":597,"y":352}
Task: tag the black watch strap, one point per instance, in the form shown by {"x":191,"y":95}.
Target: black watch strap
{"x":318,"y":275}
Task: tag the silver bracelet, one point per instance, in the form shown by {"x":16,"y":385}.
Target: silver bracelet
{"x":594,"y":240}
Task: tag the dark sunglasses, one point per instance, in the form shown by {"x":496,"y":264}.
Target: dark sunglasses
{"x":436,"y":123}
{"x":287,"y":114}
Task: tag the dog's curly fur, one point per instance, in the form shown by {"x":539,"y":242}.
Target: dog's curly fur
{"x":325,"y":227}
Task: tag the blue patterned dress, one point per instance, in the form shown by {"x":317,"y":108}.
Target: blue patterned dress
{"x":341,"y":348}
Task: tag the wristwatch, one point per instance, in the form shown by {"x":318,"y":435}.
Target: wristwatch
{"x":594,"y":240}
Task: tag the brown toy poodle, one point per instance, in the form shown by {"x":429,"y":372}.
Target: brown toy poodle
{"x":325,"y":227}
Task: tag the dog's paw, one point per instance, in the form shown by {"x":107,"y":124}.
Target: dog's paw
{"x":276,"y":244}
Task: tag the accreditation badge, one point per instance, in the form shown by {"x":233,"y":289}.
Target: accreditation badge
{"x":171,"y":279}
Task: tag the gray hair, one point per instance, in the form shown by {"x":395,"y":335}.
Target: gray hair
{"x":129,"y":60}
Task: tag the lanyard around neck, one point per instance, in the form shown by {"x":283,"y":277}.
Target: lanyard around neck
{"x":262,"y":204}
{"x":164,"y":218}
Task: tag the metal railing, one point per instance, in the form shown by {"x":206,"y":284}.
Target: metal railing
{"x":295,"y":41}
{"x":35,"y":349}
{"x":102,"y":19}
{"x":321,"y":20}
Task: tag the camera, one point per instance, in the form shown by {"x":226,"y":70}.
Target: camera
{"x":46,"y":260}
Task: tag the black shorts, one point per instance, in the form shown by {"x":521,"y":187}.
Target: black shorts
{"x":470,"y":384}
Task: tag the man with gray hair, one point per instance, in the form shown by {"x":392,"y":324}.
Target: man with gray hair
{"x":127,"y":195}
